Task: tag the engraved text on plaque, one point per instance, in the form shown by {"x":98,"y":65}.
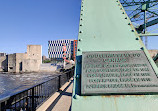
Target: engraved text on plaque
{"x":117,"y":72}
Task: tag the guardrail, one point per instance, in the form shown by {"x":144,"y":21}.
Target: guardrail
{"x":29,"y":99}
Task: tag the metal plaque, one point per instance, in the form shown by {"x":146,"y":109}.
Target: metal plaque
{"x":117,"y":72}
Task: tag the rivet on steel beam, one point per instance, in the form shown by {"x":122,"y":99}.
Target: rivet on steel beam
{"x":129,"y":23}
{"x":79,"y":49}
{"x":125,"y":17}
{"x":80,"y":24}
{"x":132,"y":30}
{"x":123,"y":13}
{"x":77,"y":76}
{"x":80,"y":32}
{"x":117,"y":1}
{"x":142,"y":48}
{"x":80,"y":40}
{"x":137,"y":38}
{"x":120,"y":8}
{"x":81,"y":19}
{"x":81,"y":6}
{"x":81,"y":14}
{"x":82,"y":10}
{"x":76,"y":96}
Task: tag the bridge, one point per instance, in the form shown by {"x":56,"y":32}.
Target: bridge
{"x":108,"y":42}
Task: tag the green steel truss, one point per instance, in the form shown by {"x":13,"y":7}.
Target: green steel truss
{"x":127,"y":3}
{"x":144,"y":15}
{"x":105,"y":26}
{"x":135,"y":11}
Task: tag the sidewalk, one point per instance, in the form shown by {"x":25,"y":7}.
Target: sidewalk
{"x":60,"y":101}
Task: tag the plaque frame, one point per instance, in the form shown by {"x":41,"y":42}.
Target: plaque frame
{"x":131,"y":88}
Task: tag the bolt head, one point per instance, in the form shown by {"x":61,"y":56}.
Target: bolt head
{"x":142,"y":48}
{"x":137,"y":38}
{"x":77,"y":76}
{"x":76,"y":96}
{"x":79,"y":49}
{"x":80,"y":40}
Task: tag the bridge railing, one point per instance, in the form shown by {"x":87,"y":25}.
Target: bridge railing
{"x":29,"y":99}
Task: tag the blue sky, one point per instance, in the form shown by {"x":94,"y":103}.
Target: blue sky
{"x":25,"y":22}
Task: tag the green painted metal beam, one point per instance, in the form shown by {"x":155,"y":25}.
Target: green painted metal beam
{"x":104,"y":26}
{"x":148,"y":24}
{"x":138,"y":6}
{"x":149,"y":34}
{"x":127,"y":3}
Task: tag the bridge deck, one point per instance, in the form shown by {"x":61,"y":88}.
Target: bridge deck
{"x":60,"y":101}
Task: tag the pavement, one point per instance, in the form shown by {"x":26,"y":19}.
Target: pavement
{"x":60,"y":101}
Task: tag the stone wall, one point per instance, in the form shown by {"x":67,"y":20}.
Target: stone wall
{"x":23,"y":62}
{"x":30,"y":65}
{"x":19,"y":61}
{"x":12,"y":63}
{"x":3,"y":63}
{"x":34,"y":52}
{"x":15,"y":62}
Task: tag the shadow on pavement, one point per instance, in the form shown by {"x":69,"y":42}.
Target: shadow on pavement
{"x":58,"y":98}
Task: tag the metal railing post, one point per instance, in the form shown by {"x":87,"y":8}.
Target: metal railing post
{"x":26,"y":103}
{"x":59,"y":82}
{"x":33,"y":96}
{"x":67,"y":79}
{"x":69,"y":76}
{"x":2,"y":105}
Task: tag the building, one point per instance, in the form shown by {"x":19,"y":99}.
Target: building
{"x":44,"y":58}
{"x":15,"y":62}
{"x":153,"y":53}
{"x":4,"y":63}
{"x":2,"y":54}
{"x":33,"y":58}
{"x":75,"y":49}
{"x":156,"y":60}
{"x":23,"y":62}
{"x":55,"y":48}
